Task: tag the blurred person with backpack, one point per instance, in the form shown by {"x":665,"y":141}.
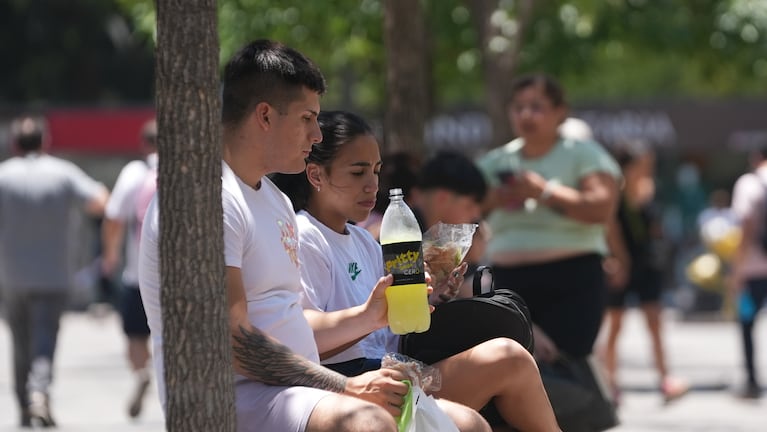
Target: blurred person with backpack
{"x":748,"y":275}
{"x":121,"y":228}
{"x":37,"y":195}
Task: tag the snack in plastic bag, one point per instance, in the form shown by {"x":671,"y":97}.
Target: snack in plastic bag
{"x":420,"y":412}
{"x":444,"y":247}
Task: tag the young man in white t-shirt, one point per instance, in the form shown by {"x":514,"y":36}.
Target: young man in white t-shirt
{"x":271,"y":100}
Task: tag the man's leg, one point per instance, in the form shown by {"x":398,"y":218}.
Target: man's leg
{"x":136,"y":331}
{"x":304,"y":409}
{"x":339,"y":413}
{"x":17,"y":315}
{"x":45,"y":312}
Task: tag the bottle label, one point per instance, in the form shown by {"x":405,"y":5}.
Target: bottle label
{"x":405,"y":261}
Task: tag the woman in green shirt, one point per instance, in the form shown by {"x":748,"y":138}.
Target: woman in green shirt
{"x":550,"y":201}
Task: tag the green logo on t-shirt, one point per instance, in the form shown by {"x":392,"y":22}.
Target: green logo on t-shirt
{"x":354,"y":271}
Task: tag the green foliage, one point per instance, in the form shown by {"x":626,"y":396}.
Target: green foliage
{"x":600,"y":49}
{"x":643,"y":49}
{"x":77,"y":51}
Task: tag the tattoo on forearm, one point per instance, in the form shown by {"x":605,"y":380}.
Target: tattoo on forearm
{"x":272,"y":363}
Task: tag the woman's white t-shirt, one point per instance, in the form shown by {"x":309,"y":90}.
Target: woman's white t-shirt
{"x":339,"y":271}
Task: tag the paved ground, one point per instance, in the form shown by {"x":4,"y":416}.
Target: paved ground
{"x":93,"y":380}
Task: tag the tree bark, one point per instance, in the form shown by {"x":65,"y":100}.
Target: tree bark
{"x":406,"y":76}
{"x":197,"y":351}
{"x":499,"y":66}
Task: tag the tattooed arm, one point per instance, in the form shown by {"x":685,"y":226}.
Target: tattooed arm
{"x":264,"y":359}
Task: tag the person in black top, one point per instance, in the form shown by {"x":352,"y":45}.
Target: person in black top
{"x":636,"y":269}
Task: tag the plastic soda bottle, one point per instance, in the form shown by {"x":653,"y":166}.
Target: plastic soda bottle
{"x":403,"y":258}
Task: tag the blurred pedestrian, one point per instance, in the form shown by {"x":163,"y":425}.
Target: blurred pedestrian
{"x":639,"y":228}
{"x":748,"y":276}
{"x":550,"y":201}
{"x":37,"y":193}
{"x":120,"y":237}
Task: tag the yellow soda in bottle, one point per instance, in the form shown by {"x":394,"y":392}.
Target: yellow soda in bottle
{"x":407,"y":298}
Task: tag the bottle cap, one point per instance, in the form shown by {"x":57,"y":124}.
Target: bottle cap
{"x":395,"y":192}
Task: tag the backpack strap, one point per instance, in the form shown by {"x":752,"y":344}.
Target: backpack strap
{"x":477,"y":283}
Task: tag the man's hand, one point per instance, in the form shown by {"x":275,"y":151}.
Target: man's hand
{"x":383,"y":387}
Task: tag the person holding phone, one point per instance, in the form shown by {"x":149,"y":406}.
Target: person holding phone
{"x":550,"y":201}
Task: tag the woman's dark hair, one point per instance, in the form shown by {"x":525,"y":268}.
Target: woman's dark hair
{"x":551,"y":88}
{"x":338,"y":129}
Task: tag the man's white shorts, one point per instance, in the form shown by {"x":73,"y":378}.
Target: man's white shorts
{"x":274,"y":409}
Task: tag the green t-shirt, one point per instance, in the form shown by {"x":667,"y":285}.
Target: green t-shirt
{"x":537,"y":227}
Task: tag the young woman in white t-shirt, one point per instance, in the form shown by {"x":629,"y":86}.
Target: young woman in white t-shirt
{"x":340,"y":263}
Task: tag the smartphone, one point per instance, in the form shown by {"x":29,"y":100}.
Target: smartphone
{"x":507,"y":178}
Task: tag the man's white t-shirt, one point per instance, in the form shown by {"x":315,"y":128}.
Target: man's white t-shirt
{"x":122,"y":207}
{"x":339,"y":271}
{"x":261,"y":239}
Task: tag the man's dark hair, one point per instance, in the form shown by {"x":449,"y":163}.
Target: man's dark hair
{"x":27,"y":133}
{"x":266,"y":71}
{"x":454,"y":172}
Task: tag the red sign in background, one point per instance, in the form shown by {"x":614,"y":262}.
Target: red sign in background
{"x":97,"y":131}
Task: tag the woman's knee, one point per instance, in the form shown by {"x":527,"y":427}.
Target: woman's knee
{"x":506,"y":353}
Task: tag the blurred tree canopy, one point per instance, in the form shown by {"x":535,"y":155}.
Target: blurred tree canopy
{"x":599,"y":49}
{"x":71,"y":52}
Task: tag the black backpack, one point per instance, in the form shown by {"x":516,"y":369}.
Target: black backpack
{"x":460,"y":324}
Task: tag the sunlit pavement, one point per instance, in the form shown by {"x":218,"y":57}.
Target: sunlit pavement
{"x":93,"y":382}
{"x":708,"y":355}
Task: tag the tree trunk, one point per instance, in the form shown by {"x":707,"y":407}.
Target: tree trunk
{"x":198,"y":371}
{"x":406,"y":77}
{"x":499,"y":60}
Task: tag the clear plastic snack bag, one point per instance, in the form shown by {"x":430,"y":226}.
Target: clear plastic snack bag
{"x":444,"y":247}
{"x":420,"y":412}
